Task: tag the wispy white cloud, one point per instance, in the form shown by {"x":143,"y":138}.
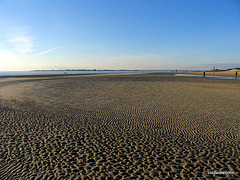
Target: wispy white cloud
{"x":49,"y":50}
{"x":23,"y":44}
{"x":19,"y":38}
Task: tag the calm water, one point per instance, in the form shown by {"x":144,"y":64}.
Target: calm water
{"x":77,"y":72}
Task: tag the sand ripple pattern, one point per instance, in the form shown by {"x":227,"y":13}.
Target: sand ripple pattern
{"x":119,"y":127}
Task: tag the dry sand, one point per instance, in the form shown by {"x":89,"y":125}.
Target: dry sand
{"x":230,"y":73}
{"x":142,"y":126}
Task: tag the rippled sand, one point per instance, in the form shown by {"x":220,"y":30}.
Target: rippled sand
{"x":142,"y":126}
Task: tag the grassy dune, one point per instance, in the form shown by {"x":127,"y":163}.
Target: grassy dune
{"x":142,"y":126}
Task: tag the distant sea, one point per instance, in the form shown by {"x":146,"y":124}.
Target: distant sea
{"x":2,"y":73}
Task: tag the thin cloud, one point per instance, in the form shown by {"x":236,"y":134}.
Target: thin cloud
{"x":23,"y":44}
{"x":49,"y":50}
{"x":20,"y":38}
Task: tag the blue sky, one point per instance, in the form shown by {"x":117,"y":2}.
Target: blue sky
{"x":104,"y":34}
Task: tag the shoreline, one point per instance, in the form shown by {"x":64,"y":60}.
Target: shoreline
{"x":208,"y":73}
{"x":40,"y":75}
{"x":69,"y":75}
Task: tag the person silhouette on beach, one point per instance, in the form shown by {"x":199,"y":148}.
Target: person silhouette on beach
{"x":204,"y":73}
{"x":236,"y":73}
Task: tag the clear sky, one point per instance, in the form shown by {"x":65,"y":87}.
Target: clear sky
{"x":121,"y":34}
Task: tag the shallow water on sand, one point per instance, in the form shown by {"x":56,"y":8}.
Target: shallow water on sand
{"x":218,"y":77}
{"x":4,"y":73}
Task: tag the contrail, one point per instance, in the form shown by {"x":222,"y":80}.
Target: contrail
{"x":49,"y":50}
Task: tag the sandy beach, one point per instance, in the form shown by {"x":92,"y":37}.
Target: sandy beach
{"x":230,"y":73}
{"x":128,"y":126}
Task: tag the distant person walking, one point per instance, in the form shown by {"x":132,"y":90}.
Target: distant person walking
{"x":204,"y":73}
{"x":236,"y":73}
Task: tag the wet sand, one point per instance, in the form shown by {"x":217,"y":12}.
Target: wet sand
{"x":142,"y":126}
